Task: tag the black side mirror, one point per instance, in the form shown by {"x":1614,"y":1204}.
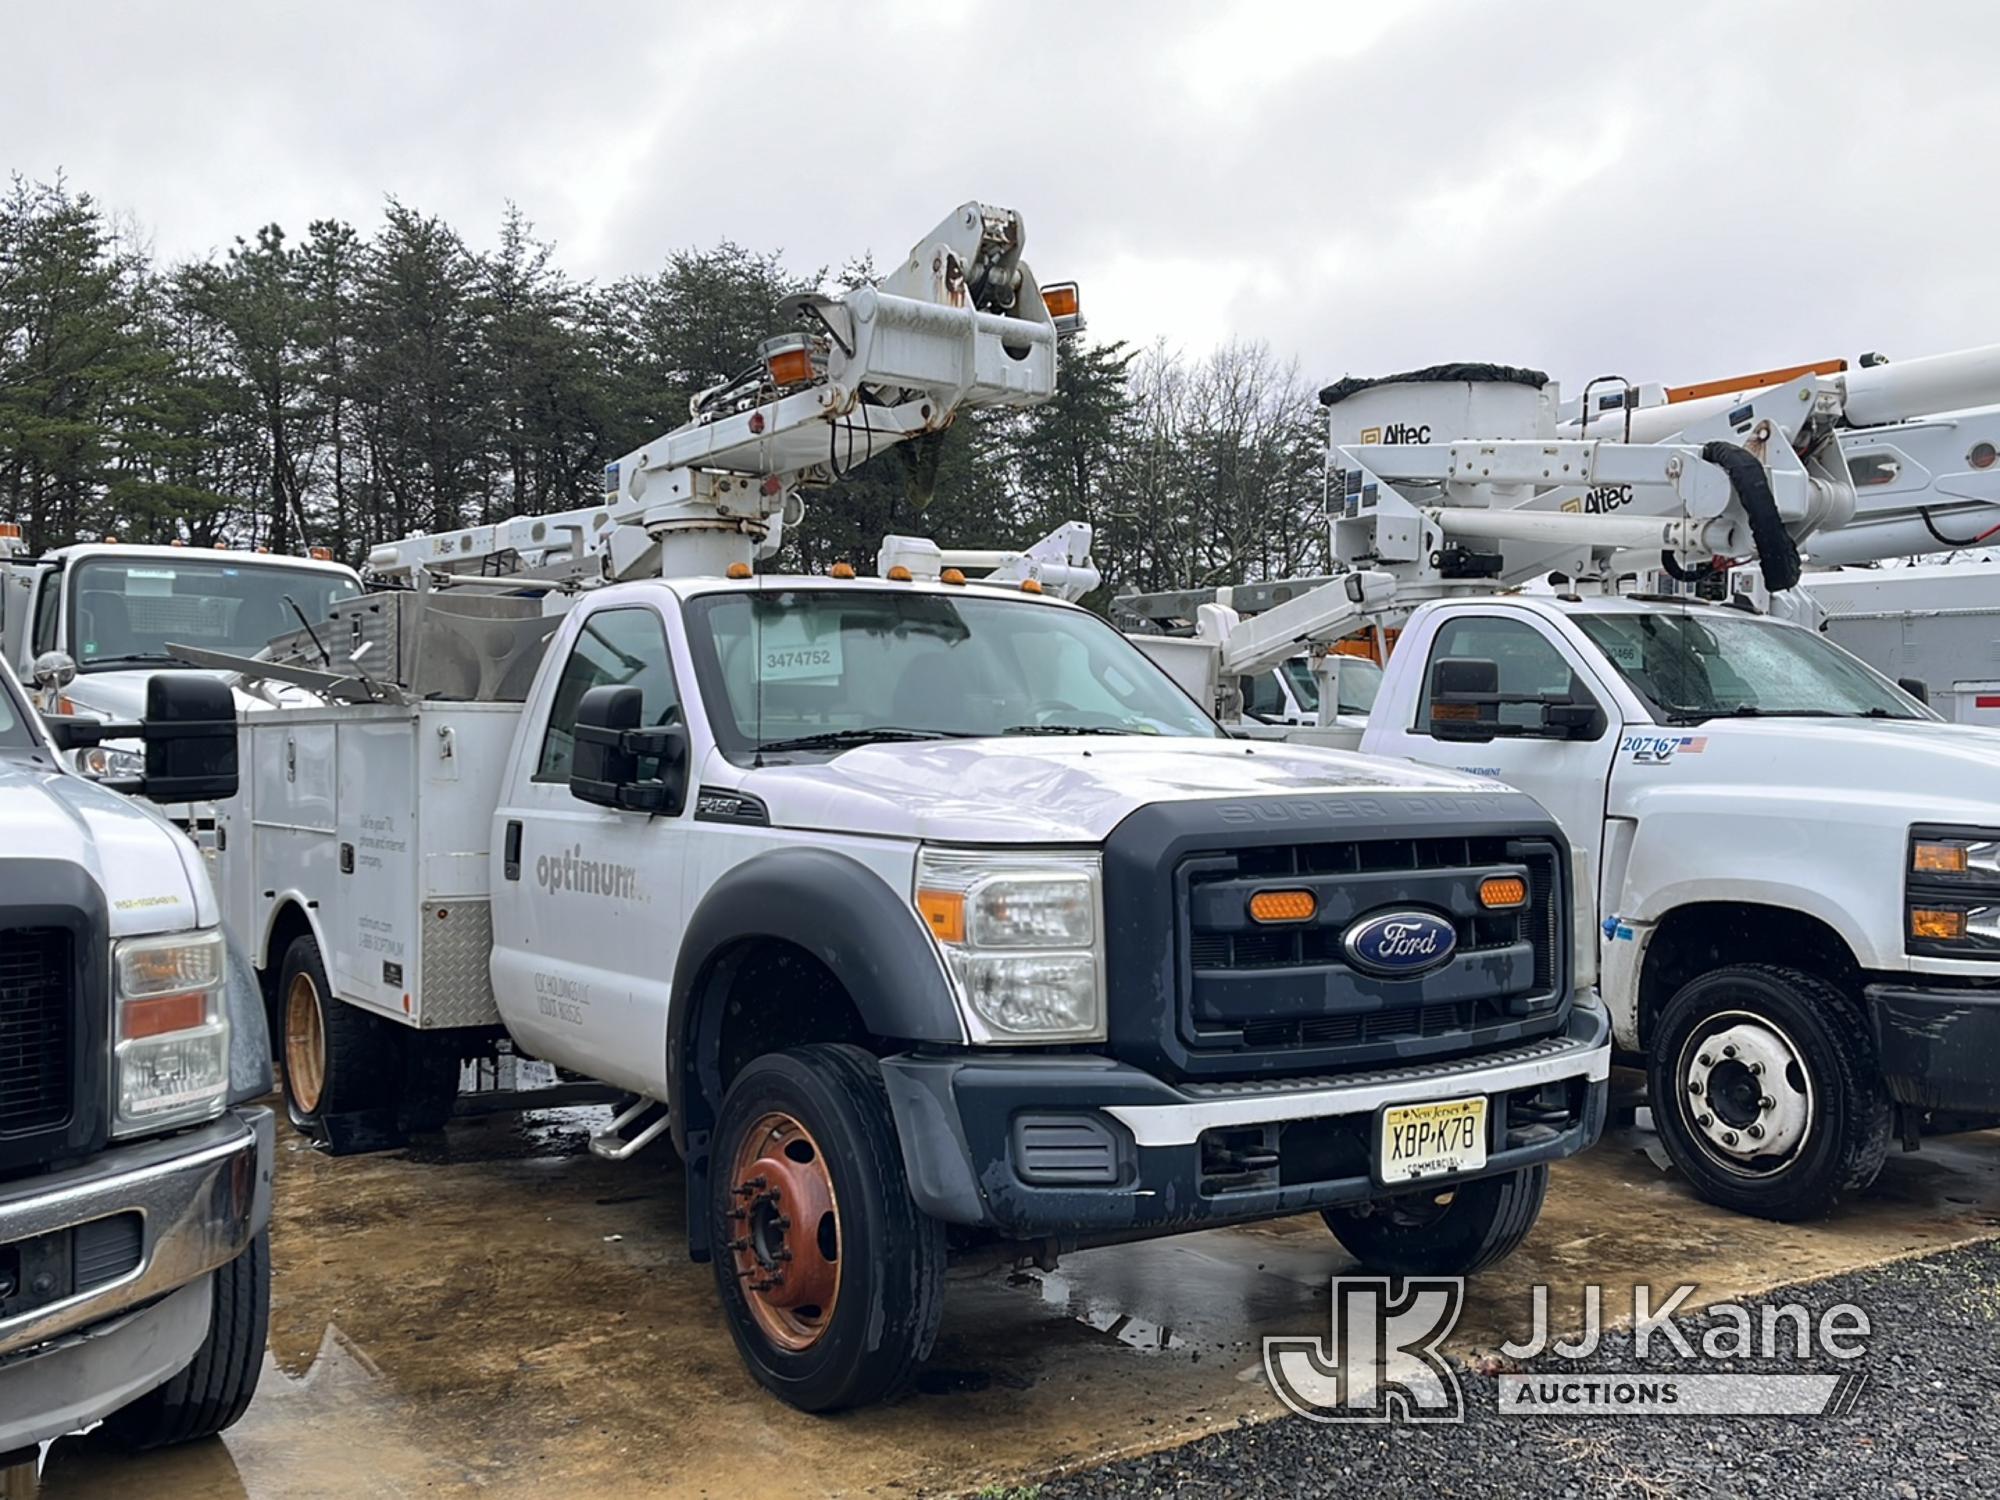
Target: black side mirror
{"x":1917,"y":688}
{"x":190,"y":736}
{"x":1465,"y":699}
{"x":616,"y":763}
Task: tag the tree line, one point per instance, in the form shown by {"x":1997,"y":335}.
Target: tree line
{"x":339,"y":389}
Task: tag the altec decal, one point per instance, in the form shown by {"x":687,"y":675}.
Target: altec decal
{"x":1657,"y":749}
{"x":1600,"y":501}
{"x":1397,"y":432}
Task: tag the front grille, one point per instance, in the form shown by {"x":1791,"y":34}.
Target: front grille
{"x":36,"y":1016}
{"x":1251,"y":988}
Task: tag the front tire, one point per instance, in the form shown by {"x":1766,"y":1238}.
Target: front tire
{"x":1443,"y":1231}
{"x":831,"y":1277}
{"x":337,"y":1059}
{"x":215,"y":1388}
{"x":1766,"y":1091}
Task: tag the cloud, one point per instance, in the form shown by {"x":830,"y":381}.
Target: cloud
{"x":1667,"y":192}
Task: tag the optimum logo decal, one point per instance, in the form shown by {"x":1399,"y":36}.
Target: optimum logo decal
{"x":570,"y":871}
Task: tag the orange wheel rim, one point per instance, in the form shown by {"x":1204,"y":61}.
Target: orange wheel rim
{"x":784,"y":1231}
{"x":305,"y":1043}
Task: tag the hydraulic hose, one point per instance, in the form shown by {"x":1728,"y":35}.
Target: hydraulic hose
{"x":1777,"y":553}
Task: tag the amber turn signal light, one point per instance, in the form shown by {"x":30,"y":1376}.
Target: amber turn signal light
{"x":1935,"y":923}
{"x":944,"y":913}
{"x":1283,"y":906}
{"x":1503,"y":892}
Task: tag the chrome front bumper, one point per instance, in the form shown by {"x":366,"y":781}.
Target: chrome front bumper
{"x":202,"y":1197}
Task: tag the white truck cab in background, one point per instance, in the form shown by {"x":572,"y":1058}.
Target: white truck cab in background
{"x":1795,"y":865}
{"x":87,"y":626}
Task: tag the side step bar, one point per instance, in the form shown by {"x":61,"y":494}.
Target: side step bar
{"x":626,"y":1136}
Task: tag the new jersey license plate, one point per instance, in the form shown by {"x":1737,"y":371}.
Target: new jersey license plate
{"x":1429,"y":1140}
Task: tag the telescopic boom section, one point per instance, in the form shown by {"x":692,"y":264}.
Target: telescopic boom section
{"x":960,"y":323}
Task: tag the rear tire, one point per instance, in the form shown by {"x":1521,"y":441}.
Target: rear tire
{"x":337,"y":1059}
{"x":1446,"y":1231}
{"x":1737,"y":1037}
{"x":831,"y":1276}
{"x":213,"y":1391}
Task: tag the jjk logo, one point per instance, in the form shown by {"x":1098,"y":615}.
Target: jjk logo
{"x":1380,"y":1360}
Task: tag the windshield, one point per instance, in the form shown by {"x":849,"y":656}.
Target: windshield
{"x":803,"y":669}
{"x":1360,"y":679}
{"x":1713,"y":663}
{"x":125,"y":613}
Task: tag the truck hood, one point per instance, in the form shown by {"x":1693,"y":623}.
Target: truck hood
{"x":1930,"y":771}
{"x":1024,"y":790}
{"x":150,"y":875}
{"x":121,"y":695}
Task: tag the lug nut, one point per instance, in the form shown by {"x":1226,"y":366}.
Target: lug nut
{"x":1694,"y":1087}
{"x":1756,"y":1070}
{"x":1728,"y":1137}
{"x":1730,"y":1050}
{"x":1705,"y":1121}
{"x":1705,"y":1060}
{"x":1756,"y":1132}
{"x":1765,"y":1101}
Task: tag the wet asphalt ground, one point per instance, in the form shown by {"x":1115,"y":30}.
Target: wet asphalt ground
{"x":1926,"y":1423}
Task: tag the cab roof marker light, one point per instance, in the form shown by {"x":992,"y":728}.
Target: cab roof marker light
{"x":841,"y":570}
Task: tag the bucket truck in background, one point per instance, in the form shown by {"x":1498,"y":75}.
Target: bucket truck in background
{"x":911,"y":908}
{"x":1790,"y":869}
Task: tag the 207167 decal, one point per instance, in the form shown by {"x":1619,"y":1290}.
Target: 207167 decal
{"x":1658,"y":749}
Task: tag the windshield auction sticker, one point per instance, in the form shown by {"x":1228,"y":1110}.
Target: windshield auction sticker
{"x":1382,"y":1361}
{"x":788,"y":650}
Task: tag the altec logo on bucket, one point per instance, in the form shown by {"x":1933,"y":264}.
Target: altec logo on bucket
{"x":1381,"y":1359}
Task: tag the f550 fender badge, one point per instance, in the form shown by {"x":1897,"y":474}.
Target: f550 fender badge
{"x":1399,"y":944}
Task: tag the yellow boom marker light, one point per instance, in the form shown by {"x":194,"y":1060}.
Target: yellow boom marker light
{"x":1283,"y":906}
{"x":841,"y":570}
{"x":1503,"y":892}
{"x":1061,"y":300}
{"x":788,"y":359}
{"x":738,"y":570}
{"x":1930,"y":922}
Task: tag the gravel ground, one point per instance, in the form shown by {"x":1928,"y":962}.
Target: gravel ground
{"x":1927,"y":1423}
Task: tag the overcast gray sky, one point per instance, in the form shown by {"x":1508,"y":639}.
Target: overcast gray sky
{"x":1668,"y":191}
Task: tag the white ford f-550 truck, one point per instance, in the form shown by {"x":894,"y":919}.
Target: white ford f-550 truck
{"x":135,"y":1171}
{"x":920,"y":913}
{"x":1795,"y":865}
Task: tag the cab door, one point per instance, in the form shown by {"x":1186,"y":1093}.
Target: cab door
{"x":1568,"y":776}
{"x":588,"y":908}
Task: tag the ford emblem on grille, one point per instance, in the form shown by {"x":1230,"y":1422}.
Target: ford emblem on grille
{"x":1399,"y":943}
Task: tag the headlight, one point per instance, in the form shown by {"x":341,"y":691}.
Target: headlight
{"x":1022,"y":935}
{"x":171,"y":1052}
{"x":109,"y":763}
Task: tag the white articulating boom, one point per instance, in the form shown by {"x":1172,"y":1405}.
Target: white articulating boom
{"x":1459,"y":480}
{"x":960,"y":323}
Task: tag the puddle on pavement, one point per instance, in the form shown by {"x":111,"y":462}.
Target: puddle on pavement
{"x":498,"y":1314}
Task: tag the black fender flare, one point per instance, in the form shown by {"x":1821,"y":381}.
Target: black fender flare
{"x":842,"y":913}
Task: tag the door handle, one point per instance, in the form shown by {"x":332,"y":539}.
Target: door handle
{"x":511,"y":865}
